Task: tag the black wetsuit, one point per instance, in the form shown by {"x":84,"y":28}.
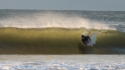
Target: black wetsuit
{"x":86,"y":38}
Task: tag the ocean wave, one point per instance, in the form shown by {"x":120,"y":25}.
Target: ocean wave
{"x":60,"y":41}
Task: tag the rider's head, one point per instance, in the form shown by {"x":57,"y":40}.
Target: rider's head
{"x":82,"y":36}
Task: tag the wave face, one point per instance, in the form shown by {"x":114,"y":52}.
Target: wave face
{"x":59,"y":31}
{"x":60,"y":41}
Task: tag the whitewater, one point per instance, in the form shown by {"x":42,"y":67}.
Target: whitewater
{"x":62,"y":62}
{"x":51,"y":39}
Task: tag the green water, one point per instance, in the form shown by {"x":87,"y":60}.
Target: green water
{"x":59,"y":41}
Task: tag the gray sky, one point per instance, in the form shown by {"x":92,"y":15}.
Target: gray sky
{"x":93,"y":5}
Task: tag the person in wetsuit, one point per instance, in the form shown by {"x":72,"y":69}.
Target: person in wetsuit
{"x":85,"y":39}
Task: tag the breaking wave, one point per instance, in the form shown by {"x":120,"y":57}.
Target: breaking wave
{"x":59,"y":32}
{"x":59,"y":41}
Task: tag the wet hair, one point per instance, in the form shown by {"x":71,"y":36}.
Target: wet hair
{"x":82,"y":36}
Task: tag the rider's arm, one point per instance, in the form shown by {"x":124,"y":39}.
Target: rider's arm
{"x":89,"y":37}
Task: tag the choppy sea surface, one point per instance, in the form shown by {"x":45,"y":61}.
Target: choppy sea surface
{"x":51,"y":39}
{"x":62,"y":62}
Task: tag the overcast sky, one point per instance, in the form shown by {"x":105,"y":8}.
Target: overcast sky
{"x":93,"y":5}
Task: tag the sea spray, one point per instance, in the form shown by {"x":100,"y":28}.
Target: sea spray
{"x":44,"y":19}
{"x":93,"y":39}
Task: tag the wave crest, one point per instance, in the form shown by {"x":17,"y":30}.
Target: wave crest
{"x":50,"y":19}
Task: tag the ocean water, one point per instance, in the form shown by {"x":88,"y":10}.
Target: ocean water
{"x":57,"y":33}
{"x":62,"y":62}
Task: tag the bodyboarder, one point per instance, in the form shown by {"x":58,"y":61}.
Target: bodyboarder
{"x":86,"y":40}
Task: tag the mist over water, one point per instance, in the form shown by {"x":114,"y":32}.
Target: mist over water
{"x":44,"y":19}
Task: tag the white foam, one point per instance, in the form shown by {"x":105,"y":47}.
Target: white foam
{"x":62,"y":62}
